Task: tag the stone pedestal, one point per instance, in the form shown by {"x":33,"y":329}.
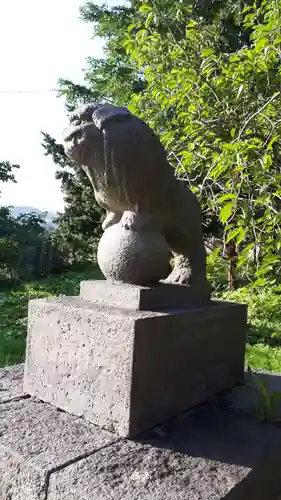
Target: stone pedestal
{"x":214,"y":451}
{"x":127,"y":358}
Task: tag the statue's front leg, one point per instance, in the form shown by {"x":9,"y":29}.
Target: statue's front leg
{"x":135,"y":221}
{"x":111,"y":219}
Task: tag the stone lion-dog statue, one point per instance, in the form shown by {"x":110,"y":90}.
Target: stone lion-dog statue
{"x":132,"y":179}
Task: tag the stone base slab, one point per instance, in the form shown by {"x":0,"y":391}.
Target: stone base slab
{"x":11,"y":383}
{"x":139,"y":298}
{"x":211,"y":452}
{"x":126,"y":370}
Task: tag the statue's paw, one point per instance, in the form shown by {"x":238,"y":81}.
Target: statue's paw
{"x":201,"y":289}
{"x":179,"y":276}
{"x":134,"y":221}
{"x":129,"y":222}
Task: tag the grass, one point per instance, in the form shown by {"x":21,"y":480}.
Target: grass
{"x":264,"y":306}
{"x":14,"y":303}
{"x":264,"y":318}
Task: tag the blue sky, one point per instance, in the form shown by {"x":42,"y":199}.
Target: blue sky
{"x":40,"y":42}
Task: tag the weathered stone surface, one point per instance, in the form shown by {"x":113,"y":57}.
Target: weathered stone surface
{"x":11,"y":383}
{"x":36,"y":439}
{"x":141,"y":257}
{"x":129,"y":370}
{"x":79,"y":358}
{"x":210,"y":453}
{"x":137,"y":298}
{"x":131,"y":177}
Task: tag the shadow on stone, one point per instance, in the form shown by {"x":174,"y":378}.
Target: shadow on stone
{"x":227,"y":432}
{"x":215,"y":433}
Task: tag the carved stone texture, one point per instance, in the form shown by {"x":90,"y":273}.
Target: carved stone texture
{"x":10,"y":388}
{"x":132,"y":179}
{"x":133,"y":257}
{"x":128,"y":370}
{"x":209,"y":453}
{"x":35,"y":440}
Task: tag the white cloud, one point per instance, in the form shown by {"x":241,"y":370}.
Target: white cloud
{"x":40,"y":42}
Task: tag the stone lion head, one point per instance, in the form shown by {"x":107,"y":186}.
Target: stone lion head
{"x":85,"y":131}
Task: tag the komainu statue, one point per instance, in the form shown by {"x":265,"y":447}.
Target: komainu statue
{"x":133,"y":180}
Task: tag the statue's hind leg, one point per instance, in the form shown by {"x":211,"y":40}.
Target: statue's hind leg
{"x":189,"y":260}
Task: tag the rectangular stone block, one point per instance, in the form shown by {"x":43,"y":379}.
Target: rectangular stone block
{"x":11,"y":383}
{"x":36,"y":440}
{"x":210,"y":453}
{"x":130,"y":370}
{"x":138,"y":298}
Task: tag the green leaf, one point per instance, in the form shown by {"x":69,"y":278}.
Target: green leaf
{"x":191,"y":23}
{"x":260,"y":282}
{"x":207,"y":52}
{"x":225,"y":212}
{"x":225,"y":197}
{"x":270,"y":259}
{"x":131,"y":27}
{"x":144,"y":8}
{"x":212,"y":257}
{"x":237,"y":234}
{"x":149,"y":19}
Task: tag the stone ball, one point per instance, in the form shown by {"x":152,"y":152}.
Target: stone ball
{"x":138,"y":258}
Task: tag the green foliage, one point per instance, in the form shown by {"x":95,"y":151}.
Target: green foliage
{"x":264,"y":302}
{"x":263,"y":349}
{"x":27,"y":247}
{"x":268,"y":404}
{"x":6,"y":171}
{"x":205,"y":75}
{"x":264,"y":335}
{"x":13,"y":306}
{"x":78,"y":227}
{"x":114,"y":77}
{"x":74,"y":94}
{"x":217,"y":109}
{"x":264,"y":357}
{"x":217,"y":270}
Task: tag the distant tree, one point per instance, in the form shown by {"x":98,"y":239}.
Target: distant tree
{"x":213,"y":94}
{"x":78,"y":227}
{"x":27,"y":247}
{"x":6,"y":171}
{"x":194,"y":70}
{"x":110,"y":79}
{"x":8,"y":244}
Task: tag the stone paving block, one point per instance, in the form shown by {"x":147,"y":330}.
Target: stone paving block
{"x":128,"y":471}
{"x":138,"y":298}
{"x":11,"y":383}
{"x":36,"y":439}
{"x":210,"y":453}
{"x":130,"y":370}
